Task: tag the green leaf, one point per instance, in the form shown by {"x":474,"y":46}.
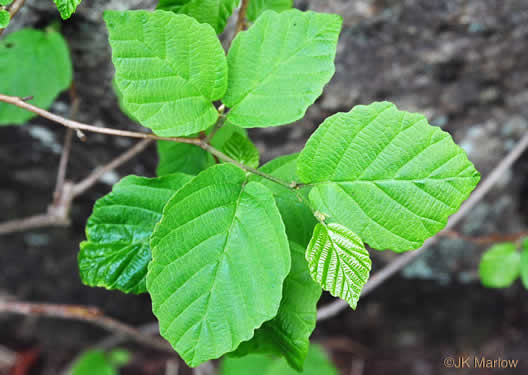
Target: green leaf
{"x":386,"y":174}
{"x":5,"y":17}
{"x":66,"y":7}
{"x":119,"y":357}
{"x":338,"y":261}
{"x":214,"y":12}
{"x":93,"y":362}
{"x":241,"y":149}
{"x":117,"y":250}
{"x":169,"y":69}
{"x":500,"y":266}
{"x":43,"y":76}
{"x":288,"y":334}
{"x":297,"y":216}
{"x":317,"y":363}
{"x":279,"y":67}
{"x":5,"y":2}
{"x":257,"y":7}
{"x":524,"y":264}
{"x":220,"y":257}
{"x":191,"y":159}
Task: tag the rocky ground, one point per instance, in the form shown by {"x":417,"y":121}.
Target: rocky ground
{"x":462,"y":63}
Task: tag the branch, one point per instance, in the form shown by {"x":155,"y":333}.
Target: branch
{"x":85,"y":314}
{"x":241,"y":20}
{"x":19,"y":102}
{"x":58,"y":211}
{"x":16,"y":101}
{"x":401,"y":261}
{"x":13,"y":9}
{"x":92,"y":179}
{"x":485,"y":240}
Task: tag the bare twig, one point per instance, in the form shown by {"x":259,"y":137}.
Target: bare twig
{"x":485,"y":240}
{"x":123,"y":133}
{"x":13,"y":9}
{"x":66,"y":150}
{"x":392,"y":268}
{"x":16,"y":101}
{"x":31,"y":222}
{"x":89,"y":181}
{"x":241,"y":20}
{"x":86,"y":314}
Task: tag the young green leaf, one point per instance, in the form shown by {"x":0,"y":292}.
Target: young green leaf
{"x":169,"y":69}
{"x":117,"y":250}
{"x":5,"y":2}
{"x":500,"y":266}
{"x":5,"y":17}
{"x":220,"y":257}
{"x":386,"y":174}
{"x":242,"y":149}
{"x":43,"y":76}
{"x":214,"y":12}
{"x":191,"y":159}
{"x":100,"y":363}
{"x":66,"y":7}
{"x":279,"y":67}
{"x":257,"y":7}
{"x":338,"y":261}
{"x":524,"y":264}
{"x":297,"y":217}
{"x":317,"y":363}
{"x":288,"y":334}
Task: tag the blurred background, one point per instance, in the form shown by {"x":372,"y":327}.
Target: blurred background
{"x":464,"y":64}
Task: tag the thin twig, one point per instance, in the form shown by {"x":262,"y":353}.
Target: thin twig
{"x":58,"y":211}
{"x":485,"y":240}
{"x":13,"y":9}
{"x":241,"y":20}
{"x":392,"y":268}
{"x":85,"y":314}
{"x":66,"y":150}
{"x":123,"y":133}
{"x":217,"y":126}
{"x":31,"y":222}
{"x":90,"y":128}
{"x":89,"y":181}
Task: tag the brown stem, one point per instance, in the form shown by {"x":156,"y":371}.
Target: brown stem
{"x":85,"y":314}
{"x":16,"y":101}
{"x":241,"y":20}
{"x":58,"y":211}
{"x":485,"y":240}
{"x":89,"y":181}
{"x":401,"y":261}
{"x":13,"y":9}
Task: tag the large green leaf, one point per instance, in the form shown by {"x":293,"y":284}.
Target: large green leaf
{"x":220,"y":257}
{"x":169,"y":69}
{"x":257,"y":7}
{"x":5,"y":2}
{"x":317,"y":363}
{"x":386,"y":174}
{"x":32,"y":63}
{"x":191,"y":159}
{"x":214,"y":12}
{"x":338,"y":261}
{"x":296,"y":215}
{"x":66,"y":7}
{"x":524,"y":263}
{"x":279,"y":67}
{"x":117,"y":250}
{"x":500,"y":266}
{"x":288,"y":334}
